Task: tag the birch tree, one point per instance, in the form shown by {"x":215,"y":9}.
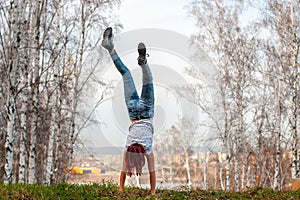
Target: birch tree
{"x":11,"y":72}
{"x":53,"y":98}
{"x":233,"y":53}
{"x":281,"y":19}
{"x":25,"y":83}
{"x":210,"y":39}
{"x":38,"y":5}
{"x":37,"y":71}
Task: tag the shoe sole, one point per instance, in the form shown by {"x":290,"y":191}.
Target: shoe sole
{"x":142,"y":49}
{"x":107,"y":33}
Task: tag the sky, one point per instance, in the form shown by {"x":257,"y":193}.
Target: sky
{"x":165,"y":14}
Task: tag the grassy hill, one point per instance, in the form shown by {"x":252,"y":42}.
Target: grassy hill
{"x":111,"y":191}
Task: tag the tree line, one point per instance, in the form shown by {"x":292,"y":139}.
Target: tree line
{"x":49,"y":50}
{"x":256,"y":112}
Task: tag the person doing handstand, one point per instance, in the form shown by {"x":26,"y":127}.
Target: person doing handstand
{"x":141,"y":111}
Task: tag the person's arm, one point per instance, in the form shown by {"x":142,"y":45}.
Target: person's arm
{"x":123,"y":173}
{"x":152,"y":176}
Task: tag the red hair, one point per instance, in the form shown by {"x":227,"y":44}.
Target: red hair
{"x":135,"y":158}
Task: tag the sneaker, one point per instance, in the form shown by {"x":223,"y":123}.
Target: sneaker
{"x":142,"y":54}
{"x":107,"y":41}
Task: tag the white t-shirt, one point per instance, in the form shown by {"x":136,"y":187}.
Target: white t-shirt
{"x":141,"y":132}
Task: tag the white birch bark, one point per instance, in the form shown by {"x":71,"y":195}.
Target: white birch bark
{"x":188,"y":170}
{"x":171,"y":170}
{"x":12,"y":92}
{"x":243,"y":177}
{"x":258,"y":169}
{"x":255,"y":174}
{"x":263,"y":174}
{"x":240,"y":132}
{"x":138,"y":181}
{"x":236,"y":169}
{"x":227,"y":172}
{"x":215,"y":177}
{"x":72,"y":129}
{"x":163,"y":174}
{"x":54,"y":102}
{"x":75,"y":90}
{"x":23,"y":139}
{"x":53,"y":129}
{"x":278,"y":137}
{"x":220,"y":176}
{"x":9,"y":138}
{"x":295,"y":87}
{"x":248,"y":176}
{"x":35,"y":93}
{"x":226,"y":139}
{"x":295,"y":160}
{"x":57,"y":150}
{"x":206,"y":157}
{"x":25,"y":93}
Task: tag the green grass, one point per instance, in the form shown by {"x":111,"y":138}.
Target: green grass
{"x":111,"y":191}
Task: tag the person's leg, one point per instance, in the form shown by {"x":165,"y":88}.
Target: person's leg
{"x":147,"y":96}
{"x":130,"y":93}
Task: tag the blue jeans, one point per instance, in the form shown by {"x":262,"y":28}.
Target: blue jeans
{"x":138,"y":108}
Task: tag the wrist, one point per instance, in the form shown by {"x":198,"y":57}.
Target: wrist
{"x":152,"y":192}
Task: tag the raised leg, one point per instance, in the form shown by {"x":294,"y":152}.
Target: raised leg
{"x":147,"y":96}
{"x":130,"y":93}
{"x":131,"y":96}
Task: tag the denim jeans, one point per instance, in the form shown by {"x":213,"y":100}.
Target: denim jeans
{"x":138,"y":107}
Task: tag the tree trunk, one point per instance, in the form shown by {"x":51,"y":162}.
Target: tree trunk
{"x":221,"y":172}
{"x":23,"y":134}
{"x":54,"y":101}
{"x":205,"y":171}
{"x":248,"y":176}
{"x":171,"y":170}
{"x":10,"y":138}
{"x":163,"y":175}
{"x":278,"y":138}
{"x":26,"y":59}
{"x":188,"y":170}
{"x":295,"y":87}
{"x":12,"y":92}
{"x":77,"y":73}
{"x":53,"y":129}
{"x":227,"y":176}
{"x":236,"y":170}
{"x":263,"y":174}
{"x":138,"y":181}
{"x":240,"y":132}
{"x":215,"y":177}
{"x":258,"y":160}
{"x":35,"y":93}
{"x":243,"y":177}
